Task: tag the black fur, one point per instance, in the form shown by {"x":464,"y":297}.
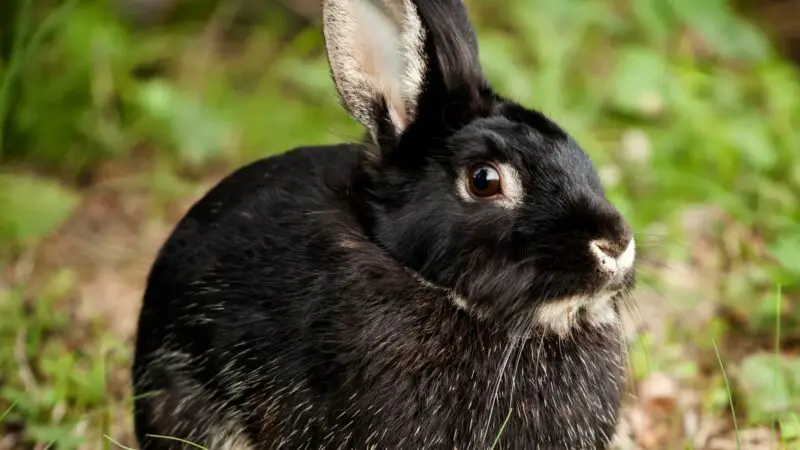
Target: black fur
{"x":287,"y":309}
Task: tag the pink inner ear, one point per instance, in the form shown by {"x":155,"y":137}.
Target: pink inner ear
{"x":375,"y":54}
{"x":371,"y":68}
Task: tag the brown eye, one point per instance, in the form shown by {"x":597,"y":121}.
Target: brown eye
{"x":484,"y":181}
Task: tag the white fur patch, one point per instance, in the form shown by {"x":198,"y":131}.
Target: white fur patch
{"x":561,"y":316}
{"x":558,"y":317}
{"x":512,"y":191}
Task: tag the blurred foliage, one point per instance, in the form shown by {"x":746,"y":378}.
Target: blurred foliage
{"x":772,"y":385}
{"x":29,"y":221}
{"x":82,"y":61}
{"x":74,"y":364}
{"x":681,"y":104}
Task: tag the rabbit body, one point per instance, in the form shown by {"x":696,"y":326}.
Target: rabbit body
{"x":402,"y":293}
{"x":271,"y":320}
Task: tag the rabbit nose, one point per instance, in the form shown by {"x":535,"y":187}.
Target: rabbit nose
{"x":614,"y":257}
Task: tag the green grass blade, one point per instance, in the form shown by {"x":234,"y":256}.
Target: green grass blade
{"x":7,"y":412}
{"x":21,"y":50}
{"x":502,"y":427}
{"x":730,"y":394}
{"x":192,"y":444}
{"x":108,"y":438}
{"x":779,"y":310}
{"x":9,"y":79}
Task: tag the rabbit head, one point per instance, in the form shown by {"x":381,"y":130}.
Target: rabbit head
{"x":472,"y":192}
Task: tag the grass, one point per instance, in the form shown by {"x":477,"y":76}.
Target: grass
{"x":183,"y":441}
{"x":778,"y":313}
{"x":169,"y":438}
{"x":730,"y":396}
{"x":123,"y":447}
{"x":108,"y":131}
{"x":502,"y":427}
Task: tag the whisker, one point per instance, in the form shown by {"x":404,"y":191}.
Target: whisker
{"x":538,"y":354}
{"x":659,"y":264}
{"x":512,"y":342}
{"x":632,"y":308}
{"x":663,"y":237}
{"x":660,"y":294}
{"x":628,"y":302}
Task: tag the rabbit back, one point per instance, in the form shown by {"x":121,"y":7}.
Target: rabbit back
{"x":230,"y":276}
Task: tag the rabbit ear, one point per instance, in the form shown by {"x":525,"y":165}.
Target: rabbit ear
{"x":454,"y":67}
{"x":376,"y":53}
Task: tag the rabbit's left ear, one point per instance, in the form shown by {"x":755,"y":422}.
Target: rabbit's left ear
{"x":376,"y":51}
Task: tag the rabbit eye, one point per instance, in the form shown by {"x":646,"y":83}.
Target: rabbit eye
{"x":484,"y":181}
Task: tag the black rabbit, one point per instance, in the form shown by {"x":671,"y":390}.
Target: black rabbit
{"x":457,"y":274}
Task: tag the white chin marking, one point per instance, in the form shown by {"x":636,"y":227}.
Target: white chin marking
{"x":561,"y":316}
